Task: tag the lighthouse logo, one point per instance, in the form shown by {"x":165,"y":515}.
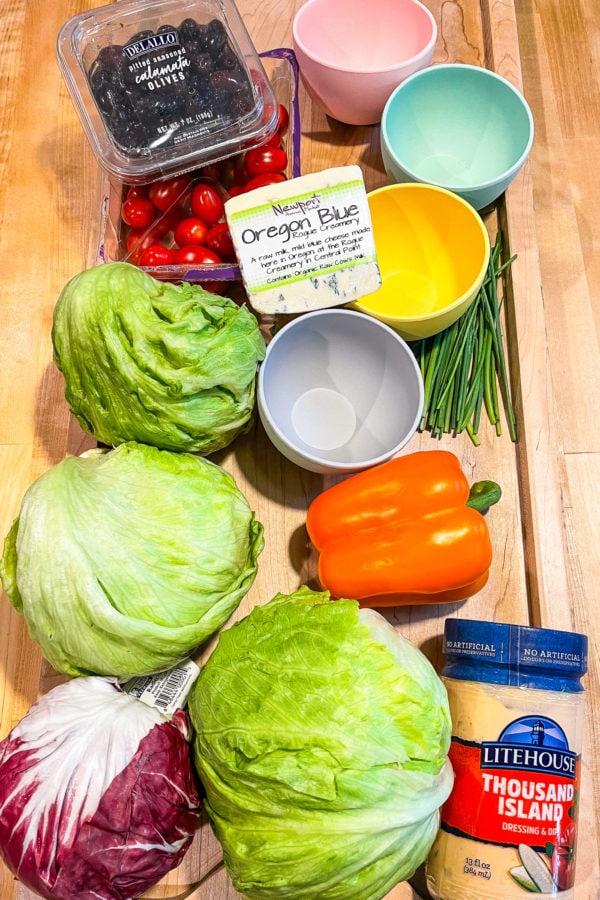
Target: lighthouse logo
{"x":530,"y":743}
{"x":535,"y":730}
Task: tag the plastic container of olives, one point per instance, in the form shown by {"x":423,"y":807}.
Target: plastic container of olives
{"x":113,"y":241}
{"x":165,"y":86}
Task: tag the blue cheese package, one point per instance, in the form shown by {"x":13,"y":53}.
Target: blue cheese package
{"x":306,"y":243}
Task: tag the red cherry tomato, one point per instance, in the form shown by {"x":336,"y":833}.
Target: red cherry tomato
{"x":240,"y":176}
{"x":167,"y":222}
{"x":138,"y":212}
{"x":214,"y":287}
{"x":283,"y":119}
{"x":206,"y":204}
{"x":198,"y":255}
{"x":273,"y":141}
{"x":135,"y":191}
{"x":157,"y":255}
{"x":265,"y":160}
{"x":190,"y":231}
{"x":219,"y":239}
{"x":264,"y":180}
{"x":214,"y":171}
{"x":138,"y":240}
{"x":168,"y":191}
{"x":134,"y":237}
{"x":235,"y":189}
{"x":562,"y":861}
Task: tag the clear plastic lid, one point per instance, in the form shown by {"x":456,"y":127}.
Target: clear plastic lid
{"x":163,"y":86}
{"x":517,"y":655}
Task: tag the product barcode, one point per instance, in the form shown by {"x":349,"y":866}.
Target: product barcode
{"x":170,"y":688}
{"x":167,"y":691}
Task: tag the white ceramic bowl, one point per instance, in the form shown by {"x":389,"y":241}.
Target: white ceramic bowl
{"x":339,"y":391}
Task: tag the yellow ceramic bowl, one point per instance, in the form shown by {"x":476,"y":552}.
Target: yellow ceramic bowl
{"x":433,"y":251}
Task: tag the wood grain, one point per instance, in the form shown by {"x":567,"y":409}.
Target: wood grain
{"x":545,"y":531}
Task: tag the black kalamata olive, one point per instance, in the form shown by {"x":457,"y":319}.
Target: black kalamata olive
{"x":240,"y":105}
{"x":110,"y":57}
{"x":198,"y":83}
{"x":122,"y":112}
{"x":214,"y":38}
{"x":141,"y":35}
{"x":201,"y":99}
{"x":98,"y":78}
{"x":204,"y":63}
{"x":228,"y":82}
{"x":107,"y":97}
{"x":130,"y":77}
{"x":192,"y":48}
{"x":188,"y":31}
{"x":228,"y":59}
{"x":153,"y":107}
{"x":131,"y":137}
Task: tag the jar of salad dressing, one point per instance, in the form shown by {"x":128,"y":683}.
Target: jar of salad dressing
{"x":509,"y":827}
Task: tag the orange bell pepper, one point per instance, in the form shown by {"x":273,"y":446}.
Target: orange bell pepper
{"x":406,"y":531}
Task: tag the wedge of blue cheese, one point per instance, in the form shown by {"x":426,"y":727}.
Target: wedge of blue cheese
{"x":306,"y":243}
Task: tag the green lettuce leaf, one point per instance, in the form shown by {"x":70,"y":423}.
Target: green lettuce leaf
{"x":322,"y":750}
{"x":122,"y":562}
{"x":164,"y":364}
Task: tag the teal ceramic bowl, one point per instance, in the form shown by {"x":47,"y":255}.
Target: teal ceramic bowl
{"x":460,"y":127}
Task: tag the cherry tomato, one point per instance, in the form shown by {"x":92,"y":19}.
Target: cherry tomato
{"x":190,"y":231}
{"x":198,"y":255}
{"x":219,"y":239}
{"x":167,"y":222}
{"x":264,"y":180}
{"x":214,"y":287}
{"x":166,"y":192}
{"x":134,"y":237}
{"x":283,"y":119}
{"x":135,"y":191}
{"x":265,"y":160}
{"x":206,"y":204}
{"x":138,"y":212}
{"x":563,"y":858}
{"x":157,"y":255}
{"x":273,"y":141}
{"x":138,"y":240}
{"x":235,"y":189}
{"x":240,"y":176}
{"x":214,"y":171}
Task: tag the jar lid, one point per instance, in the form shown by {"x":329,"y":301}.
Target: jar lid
{"x":514,"y":654}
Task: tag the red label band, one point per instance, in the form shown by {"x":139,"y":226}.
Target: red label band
{"x":507,"y":806}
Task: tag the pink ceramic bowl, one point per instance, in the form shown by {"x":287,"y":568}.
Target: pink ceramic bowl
{"x":353,"y":53}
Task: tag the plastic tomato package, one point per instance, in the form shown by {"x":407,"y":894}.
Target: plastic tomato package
{"x":175,"y":228}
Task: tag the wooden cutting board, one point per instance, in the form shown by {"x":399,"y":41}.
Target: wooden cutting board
{"x":45,"y":156}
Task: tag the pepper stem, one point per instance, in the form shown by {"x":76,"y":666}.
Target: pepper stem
{"x":484,"y":494}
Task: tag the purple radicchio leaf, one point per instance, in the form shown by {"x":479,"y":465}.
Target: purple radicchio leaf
{"x":98,"y":798}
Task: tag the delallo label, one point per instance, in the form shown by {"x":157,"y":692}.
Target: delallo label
{"x":519,"y":789}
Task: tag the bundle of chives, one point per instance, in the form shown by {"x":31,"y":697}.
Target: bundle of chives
{"x":464,"y":366}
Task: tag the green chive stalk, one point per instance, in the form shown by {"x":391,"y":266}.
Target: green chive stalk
{"x":464,"y":367}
